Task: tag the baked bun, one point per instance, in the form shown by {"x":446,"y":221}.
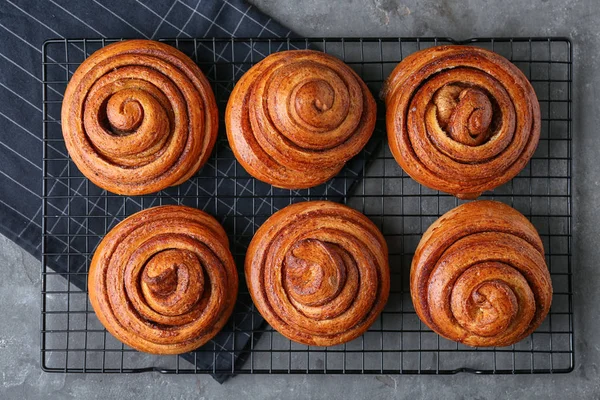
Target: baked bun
{"x":461,"y":119}
{"x":295,"y":118}
{"x":163,"y":281}
{"x":139,"y":116}
{"x":318,"y":272}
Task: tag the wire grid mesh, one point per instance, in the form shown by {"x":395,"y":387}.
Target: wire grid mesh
{"x":76,"y":215}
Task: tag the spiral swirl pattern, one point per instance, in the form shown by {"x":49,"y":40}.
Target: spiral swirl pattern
{"x":479,"y":276}
{"x":318,"y":272}
{"x":461,"y":119}
{"x":294,"y":119}
{"x":163,"y":280}
{"x":139,"y":116}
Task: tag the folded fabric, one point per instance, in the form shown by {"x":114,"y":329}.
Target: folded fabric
{"x":84,"y":216}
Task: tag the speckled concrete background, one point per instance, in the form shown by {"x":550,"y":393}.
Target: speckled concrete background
{"x":21,"y":377}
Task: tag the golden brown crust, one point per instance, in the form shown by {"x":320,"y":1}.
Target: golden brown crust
{"x":461,"y":119}
{"x":479,"y":276}
{"x":163,"y":281}
{"x":318,"y":272}
{"x":295,"y":118}
{"x":139,"y":116}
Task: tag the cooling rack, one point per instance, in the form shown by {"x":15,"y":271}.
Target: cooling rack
{"x":76,"y":215}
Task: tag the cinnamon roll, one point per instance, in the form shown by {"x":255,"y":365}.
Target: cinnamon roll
{"x":163,"y":281}
{"x":461,"y":119}
{"x":295,"y":118}
{"x":318,"y":272}
{"x":479,"y":276}
{"x":139,"y":116}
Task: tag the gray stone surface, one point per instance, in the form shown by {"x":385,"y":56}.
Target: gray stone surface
{"x":20,"y":376}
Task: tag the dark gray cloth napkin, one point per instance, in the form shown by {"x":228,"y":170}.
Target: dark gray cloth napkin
{"x":26,"y":25}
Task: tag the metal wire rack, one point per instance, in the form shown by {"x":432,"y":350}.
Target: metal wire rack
{"x":76,"y":215}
